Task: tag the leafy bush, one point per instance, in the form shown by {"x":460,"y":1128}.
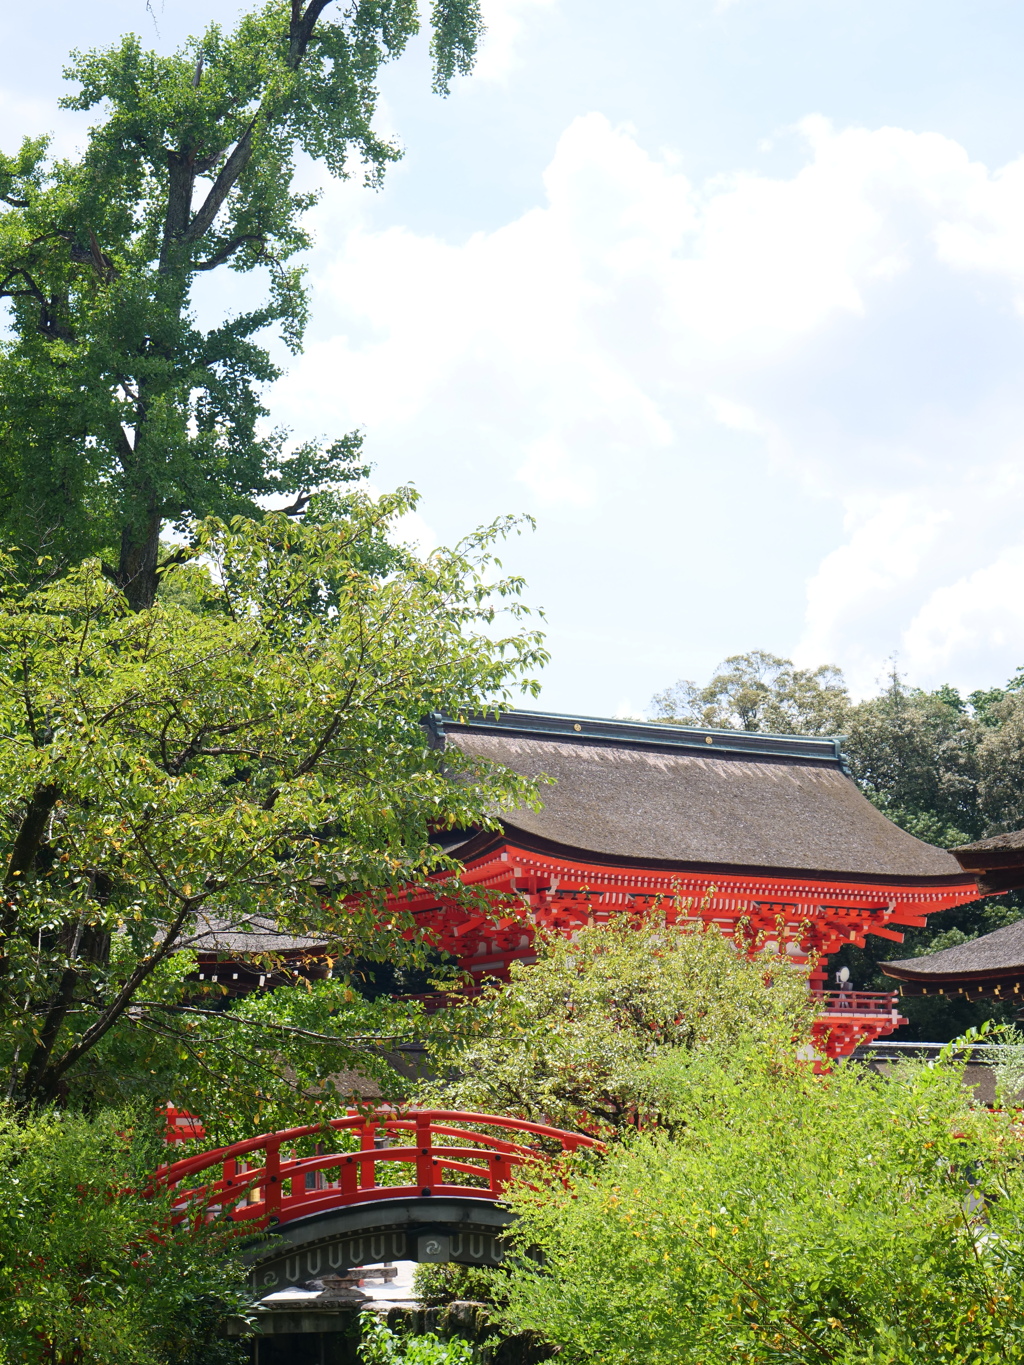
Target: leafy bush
{"x":441,"y":1283}
{"x":565,"y":1041}
{"x":784,"y":1219}
{"x":90,"y":1270}
{"x":379,"y":1345}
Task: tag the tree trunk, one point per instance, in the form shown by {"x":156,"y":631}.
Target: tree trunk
{"x":136,"y":571}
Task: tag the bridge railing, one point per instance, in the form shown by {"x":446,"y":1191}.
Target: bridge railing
{"x":262,"y":1180}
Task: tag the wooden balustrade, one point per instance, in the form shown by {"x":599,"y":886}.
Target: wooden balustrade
{"x":857,"y":1002}
{"x":262,"y":1181}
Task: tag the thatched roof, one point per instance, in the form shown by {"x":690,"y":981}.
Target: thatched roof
{"x":255,"y":935}
{"x":1000,"y":951}
{"x":676,"y":796}
{"x":997,"y":862}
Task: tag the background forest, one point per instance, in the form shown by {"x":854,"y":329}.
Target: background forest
{"x":947,"y":768}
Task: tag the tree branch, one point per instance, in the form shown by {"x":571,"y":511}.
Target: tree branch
{"x":181,"y":178}
{"x":28,"y":841}
{"x":222,"y":186}
{"x":301,"y":28}
{"x":30,"y":836}
{"x":32,"y":290}
{"x":295,"y":508}
{"x":48,"y":1080}
{"x":62,"y":1001}
{"x":229,"y":249}
{"x":269,"y":1027}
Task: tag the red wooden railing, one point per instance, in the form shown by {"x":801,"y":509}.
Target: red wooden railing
{"x":856,"y":1002}
{"x":261,"y":1179}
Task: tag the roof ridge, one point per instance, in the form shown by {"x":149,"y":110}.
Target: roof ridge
{"x":643,"y":734}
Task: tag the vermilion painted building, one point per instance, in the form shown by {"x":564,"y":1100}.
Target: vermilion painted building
{"x":766,"y":836}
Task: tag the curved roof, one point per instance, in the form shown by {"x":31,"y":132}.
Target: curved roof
{"x":715,"y":799}
{"x":978,"y":854}
{"x":998,"y":953}
{"x":997,"y":862}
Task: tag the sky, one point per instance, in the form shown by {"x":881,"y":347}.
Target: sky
{"x":727,"y":294}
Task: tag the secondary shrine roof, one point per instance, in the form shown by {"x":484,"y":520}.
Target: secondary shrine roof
{"x":998,"y":954}
{"x":254,"y":934}
{"x":674,"y":796}
{"x":996,"y":862}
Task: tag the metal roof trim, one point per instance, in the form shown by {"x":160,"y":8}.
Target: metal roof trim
{"x":640,"y":734}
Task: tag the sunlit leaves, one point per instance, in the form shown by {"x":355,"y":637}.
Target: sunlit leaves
{"x":568,"y":1040}
{"x":786,"y":1219}
{"x":257,"y":753}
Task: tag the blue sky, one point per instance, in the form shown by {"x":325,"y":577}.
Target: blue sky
{"x":729,"y":296}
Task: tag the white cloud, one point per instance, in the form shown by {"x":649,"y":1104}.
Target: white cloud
{"x":506,"y":21}
{"x":982,"y":613}
{"x":852,"y":325}
{"x":411,"y":529}
{"x":549,"y":472}
{"x":23,"y":115}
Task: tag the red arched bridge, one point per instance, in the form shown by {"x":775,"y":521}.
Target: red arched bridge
{"x":418,"y":1185}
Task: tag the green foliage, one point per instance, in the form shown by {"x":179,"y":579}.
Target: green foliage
{"x":564,"y":1042}
{"x":448,"y":1280}
{"x":759,"y":691}
{"x":118,"y":413}
{"x":379,"y":1345}
{"x":1001,"y":762}
{"x":90,"y":1270}
{"x":261,"y":760}
{"x":1007,"y":1061}
{"x":835,"y":1220}
{"x":947,"y":775}
{"x":915,"y":754}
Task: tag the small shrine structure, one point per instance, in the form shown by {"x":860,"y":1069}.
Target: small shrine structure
{"x":989,"y":966}
{"x":766,"y":836}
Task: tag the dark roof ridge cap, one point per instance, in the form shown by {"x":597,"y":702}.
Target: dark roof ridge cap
{"x":638,"y":734}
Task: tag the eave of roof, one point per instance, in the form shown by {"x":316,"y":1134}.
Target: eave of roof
{"x":680,"y":798}
{"x":997,"y":862}
{"x":486,"y":842}
{"x":999,"y":954}
{"x":1008,"y":848}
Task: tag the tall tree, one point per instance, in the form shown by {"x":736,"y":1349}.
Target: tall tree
{"x":119,"y":414}
{"x":915,"y":754}
{"x":759,"y":691}
{"x":251,"y":755}
{"x":1001,"y":762}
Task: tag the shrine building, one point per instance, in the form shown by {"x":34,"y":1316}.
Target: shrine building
{"x":991,"y":966}
{"x":765,"y":836}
